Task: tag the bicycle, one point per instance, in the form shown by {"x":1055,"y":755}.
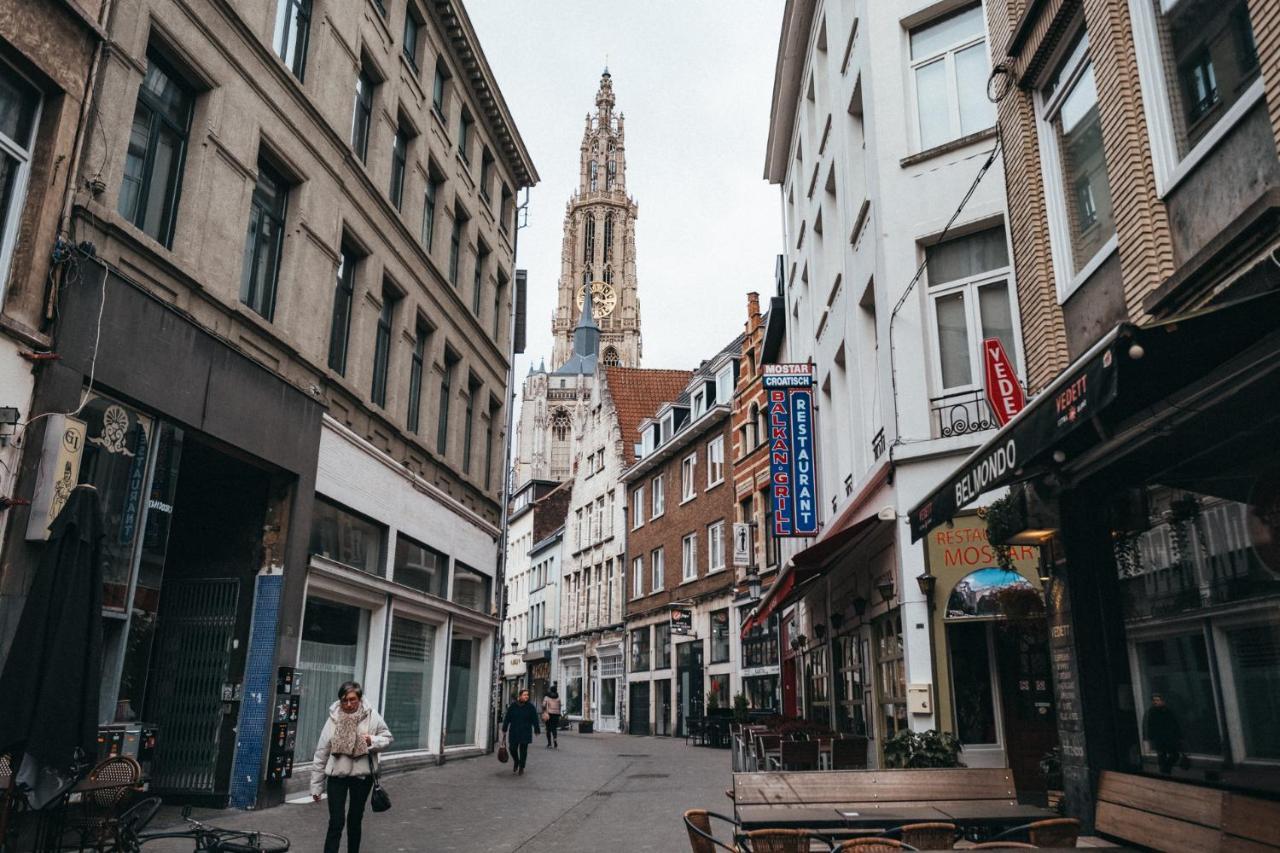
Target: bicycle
{"x":131,"y":836}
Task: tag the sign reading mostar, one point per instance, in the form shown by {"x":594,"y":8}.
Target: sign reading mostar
{"x":789,"y":401}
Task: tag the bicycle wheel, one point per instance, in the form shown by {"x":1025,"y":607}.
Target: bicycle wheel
{"x":234,"y":841}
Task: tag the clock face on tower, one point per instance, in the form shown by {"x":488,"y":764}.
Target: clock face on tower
{"x":603,"y":298}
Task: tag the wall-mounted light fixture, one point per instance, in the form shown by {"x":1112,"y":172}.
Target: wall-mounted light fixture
{"x":859,"y":605}
{"x":837,"y":619}
{"x":927,"y":584}
{"x":820,"y":631}
{"x":885,"y":588}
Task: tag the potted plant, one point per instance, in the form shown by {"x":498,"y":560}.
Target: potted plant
{"x":1006,"y":517}
{"x":740,"y":707}
{"x":930,"y":748}
{"x":585,"y":726}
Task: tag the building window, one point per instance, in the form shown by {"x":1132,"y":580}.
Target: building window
{"x":657,"y":494}
{"x":382,"y":346}
{"x":469,"y":422}
{"x":608,"y":237}
{"x":157,"y":149}
{"x":760,"y":646}
{"x":455,"y":244}
{"x":446,"y":381}
{"x":1075,"y":168}
{"x":265,"y":243}
{"x":971,"y":299}
{"x":19,"y":109}
{"x":363,"y":116}
{"x":498,"y":291}
{"x":471,"y":589}
{"x":407,"y":703}
{"x":293,"y":26}
{"x":595,"y":180}
{"x":420,"y":338}
{"x":892,"y":686}
{"x":715,"y":461}
{"x":341,"y":535}
{"x":689,"y":557}
{"x":561,"y":441}
{"x":657,"y":569}
{"x":399,"y":158}
{"x":715,"y":546}
{"x":724,"y":384}
{"x":333,"y":649}
{"x":611,"y":358}
{"x":637,"y":577}
{"x":572,"y":688}
{"x":687,"y":469}
{"x":464,"y":137}
{"x":490,"y":426}
{"x":662,"y":645}
{"x":720,"y":636}
{"x":637,"y":507}
{"x":412,"y":28}
{"x":486,"y":174}
{"x":640,"y":649}
{"x":343,"y":298}
{"x":949,"y":67}
{"x":437,"y":90}
{"x":461,"y":712}
{"x":429,"y":208}
{"x":477,"y":292}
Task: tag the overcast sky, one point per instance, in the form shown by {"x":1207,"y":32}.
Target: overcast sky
{"x":694,"y":79}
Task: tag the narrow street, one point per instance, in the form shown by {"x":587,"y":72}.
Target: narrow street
{"x":596,"y":792}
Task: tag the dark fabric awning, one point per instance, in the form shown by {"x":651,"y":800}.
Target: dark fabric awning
{"x":1131,"y":368}
{"x":806,"y":567}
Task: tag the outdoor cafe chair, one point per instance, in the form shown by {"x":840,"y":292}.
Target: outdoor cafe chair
{"x":799,"y":755}
{"x":766,"y":744}
{"x":1055,"y":832}
{"x":874,"y":845}
{"x":929,"y":836}
{"x":697,"y":822}
{"x":97,"y":812}
{"x":782,"y":841}
{"x":849,"y":753}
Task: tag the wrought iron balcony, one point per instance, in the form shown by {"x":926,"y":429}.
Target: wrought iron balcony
{"x":961,"y":414}
{"x":878,"y":444}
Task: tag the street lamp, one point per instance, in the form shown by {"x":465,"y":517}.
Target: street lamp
{"x":753,"y":567}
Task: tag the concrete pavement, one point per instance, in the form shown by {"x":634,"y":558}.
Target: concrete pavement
{"x":597,"y":792}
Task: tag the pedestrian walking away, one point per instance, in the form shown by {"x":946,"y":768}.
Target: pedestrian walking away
{"x":519,"y":725}
{"x":551,"y":717}
{"x":345,"y":762}
{"x":1163,"y":733}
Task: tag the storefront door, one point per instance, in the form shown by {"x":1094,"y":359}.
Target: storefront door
{"x":790,"y":704}
{"x":608,"y":715}
{"x":662,"y":708}
{"x":638,"y":708}
{"x":1026,"y":698}
{"x":689,"y":687}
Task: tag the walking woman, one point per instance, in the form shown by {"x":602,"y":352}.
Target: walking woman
{"x":521,"y":723}
{"x":346,"y":759}
{"x":551,"y":716}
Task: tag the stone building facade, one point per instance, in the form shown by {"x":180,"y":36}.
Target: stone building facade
{"x":294,"y":338}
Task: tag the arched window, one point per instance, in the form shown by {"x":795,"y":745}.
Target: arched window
{"x":611,"y":357}
{"x":608,"y":275}
{"x":594,"y":179}
{"x":589,"y":244}
{"x":755,"y":425}
{"x":608,"y":236}
{"x":610,"y":174}
{"x":561,"y":438}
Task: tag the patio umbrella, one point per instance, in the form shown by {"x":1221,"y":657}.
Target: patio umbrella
{"x":53,"y":674}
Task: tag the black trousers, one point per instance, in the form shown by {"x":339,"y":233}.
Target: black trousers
{"x":519,"y":754}
{"x":553,"y":728}
{"x":358,"y":788}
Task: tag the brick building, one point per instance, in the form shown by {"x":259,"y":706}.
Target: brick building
{"x":681,"y":620}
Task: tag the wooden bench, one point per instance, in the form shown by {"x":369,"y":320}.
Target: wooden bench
{"x":1167,"y":815}
{"x":882,"y":787}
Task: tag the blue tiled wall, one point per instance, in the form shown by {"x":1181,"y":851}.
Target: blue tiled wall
{"x":258,"y":692}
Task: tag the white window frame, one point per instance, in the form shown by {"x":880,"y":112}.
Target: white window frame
{"x":637,"y":502}
{"x":689,"y":558}
{"x":1051,"y":171}
{"x":715,"y":547}
{"x":689,"y":485}
{"x":948,"y":57}
{"x":18,"y":199}
{"x":699,"y":404}
{"x":637,"y":581}
{"x":657,"y":570}
{"x":712,"y":480}
{"x":658,"y":496}
{"x":1170,"y":169}
{"x":724,"y":385}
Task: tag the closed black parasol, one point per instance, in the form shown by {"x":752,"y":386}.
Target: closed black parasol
{"x":53,"y":674}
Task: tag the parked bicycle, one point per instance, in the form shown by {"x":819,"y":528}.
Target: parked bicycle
{"x":131,"y":834}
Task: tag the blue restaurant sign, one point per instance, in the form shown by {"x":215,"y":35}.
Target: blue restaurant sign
{"x":793,"y":476}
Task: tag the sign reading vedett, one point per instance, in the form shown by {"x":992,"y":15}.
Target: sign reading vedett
{"x":1004,"y":392}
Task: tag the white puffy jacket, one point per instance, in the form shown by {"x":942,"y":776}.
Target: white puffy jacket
{"x":324,"y":764}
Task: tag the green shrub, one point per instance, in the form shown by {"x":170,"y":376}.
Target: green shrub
{"x":931,"y":748}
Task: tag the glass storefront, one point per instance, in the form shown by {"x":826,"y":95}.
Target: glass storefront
{"x":407,"y":704}
{"x":720,"y":636}
{"x":893,"y":674}
{"x":333,"y":650}
{"x":573,"y":687}
{"x":849,"y":659}
{"x":343,"y":536}
{"x":662,"y":645}
{"x":464,"y":695}
{"x":761,"y":692}
{"x":471,"y":589}
{"x":420,"y":567}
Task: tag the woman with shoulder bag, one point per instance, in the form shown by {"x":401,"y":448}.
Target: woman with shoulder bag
{"x":551,"y":716}
{"x":522,"y":723}
{"x":346,"y":763}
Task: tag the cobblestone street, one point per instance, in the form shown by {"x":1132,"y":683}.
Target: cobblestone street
{"x":596,"y":792}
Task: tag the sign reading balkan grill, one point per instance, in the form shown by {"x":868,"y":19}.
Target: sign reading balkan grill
{"x":789,"y":403}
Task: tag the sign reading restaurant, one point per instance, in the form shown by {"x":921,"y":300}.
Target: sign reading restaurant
{"x":793,"y":476}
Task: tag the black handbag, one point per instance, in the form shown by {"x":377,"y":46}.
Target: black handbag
{"x":379,"y":801}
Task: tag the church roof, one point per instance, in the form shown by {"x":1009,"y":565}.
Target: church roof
{"x":637,"y":393}
{"x":586,"y":341}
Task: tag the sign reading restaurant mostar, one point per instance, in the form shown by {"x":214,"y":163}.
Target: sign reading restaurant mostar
{"x":789,"y":399}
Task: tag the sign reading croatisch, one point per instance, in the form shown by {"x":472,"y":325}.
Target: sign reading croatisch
{"x":792,"y":468}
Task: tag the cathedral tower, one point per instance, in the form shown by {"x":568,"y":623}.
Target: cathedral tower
{"x":599,"y":248}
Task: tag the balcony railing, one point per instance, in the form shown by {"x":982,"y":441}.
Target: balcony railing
{"x":960,"y":414}
{"x":878,"y":444}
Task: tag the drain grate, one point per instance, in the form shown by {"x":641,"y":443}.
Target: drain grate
{"x":603,"y":794}
{"x":649,"y":776}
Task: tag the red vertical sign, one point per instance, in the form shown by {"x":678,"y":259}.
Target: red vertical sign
{"x":1004,"y":392}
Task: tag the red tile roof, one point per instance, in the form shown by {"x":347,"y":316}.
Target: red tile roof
{"x":637,"y":393}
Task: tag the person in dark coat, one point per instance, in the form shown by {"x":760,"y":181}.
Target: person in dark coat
{"x":1163,"y":733}
{"x":519,"y":725}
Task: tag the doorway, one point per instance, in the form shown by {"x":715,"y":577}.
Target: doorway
{"x":689,"y":686}
{"x":662,"y":708}
{"x":206,"y":601}
{"x":638,"y":708}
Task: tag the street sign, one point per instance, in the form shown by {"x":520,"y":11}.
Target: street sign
{"x":1004,"y":392}
{"x":681,"y":620}
{"x":741,"y":544}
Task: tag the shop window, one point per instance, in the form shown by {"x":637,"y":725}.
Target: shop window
{"x":892,"y":686}
{"x":662,"y":645}
{"x":342,"y":536}
{"x":949,"y":69}
{"x":157,"y":150}
{"x":333,"y":648}
{"x":462,"y":704}
{"x":471,"y":589}
{"x":1177,"y":670}
{"x":640,"y":649}
{"x":817,"y":696}
{"x":573,"y":687}
{"x":760,"y":646}
{"x":761,"y":692}
{"x":264,"y":245}
{"x":420,"y":567}
{"x":293,"y":26}
{"x":1255,"y":667}
{"x":407,"y":705}
{"x":974,"y":693}
{"x":849,"y":663}
{"x":19,"y":109}
{"x":720,"y":636}
{"x":719,"y":692}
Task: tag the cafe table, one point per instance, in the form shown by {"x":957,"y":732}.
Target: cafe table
{"x":973,"y":819}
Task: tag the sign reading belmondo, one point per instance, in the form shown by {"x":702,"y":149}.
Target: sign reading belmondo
{"x":793,"y":475}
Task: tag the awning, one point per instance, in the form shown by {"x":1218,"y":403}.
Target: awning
{"x":805,"y":568}
{"x":1131,"y":368}
{"x":536,"y":655}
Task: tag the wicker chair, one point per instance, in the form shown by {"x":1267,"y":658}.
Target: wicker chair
{"x":1003,"y":845}
{"x":96,"y":819}
{"x":697,"y":822}
{"x":874,"y":845}
{"x":781,"y":841}
{"x":799,"y":755}
{"x":929,"y":836}
{"x":1055,"y":832}
{"x":849,"y":753}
